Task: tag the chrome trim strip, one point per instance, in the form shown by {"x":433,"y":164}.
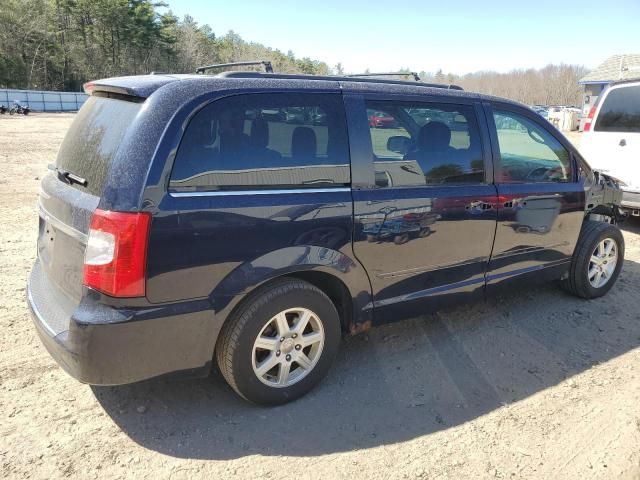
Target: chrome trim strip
{"x":232,"y":193}
{"x":63,"y":227}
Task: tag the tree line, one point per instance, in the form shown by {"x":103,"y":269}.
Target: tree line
{"x":61,"y":44}
{"x":551,"y":85}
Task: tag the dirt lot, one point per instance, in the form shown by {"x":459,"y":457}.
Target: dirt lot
{"x":534,"y":385}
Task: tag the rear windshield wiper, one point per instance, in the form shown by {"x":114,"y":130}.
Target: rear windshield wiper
{"x":67,"y":176}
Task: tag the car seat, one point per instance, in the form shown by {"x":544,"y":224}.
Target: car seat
{"x":303,"y":145}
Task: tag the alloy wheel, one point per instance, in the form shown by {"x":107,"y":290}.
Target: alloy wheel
{"x":603,"y":262}
{"x":288,"y":347}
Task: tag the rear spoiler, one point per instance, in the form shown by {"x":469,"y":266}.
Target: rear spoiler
{"x":134,"y":88}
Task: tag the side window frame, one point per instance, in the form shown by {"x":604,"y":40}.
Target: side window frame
{"x":543,"y":125}
{"x":361,"y":147}
{"x":206,"y":101}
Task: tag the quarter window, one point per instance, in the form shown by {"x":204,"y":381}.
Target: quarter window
{"x":424,"y":144}
{"x":264,"y":141}
{"x":528,"y":152}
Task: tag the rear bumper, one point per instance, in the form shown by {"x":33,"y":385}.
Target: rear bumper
{"x":122,"y":346}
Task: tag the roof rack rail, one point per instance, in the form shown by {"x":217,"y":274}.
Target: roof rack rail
{"x":415,"y":75}
{"x":335,"y":78}
{"x":268,"y":68}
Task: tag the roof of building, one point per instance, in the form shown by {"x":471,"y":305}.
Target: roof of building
{"x":615,"y":68}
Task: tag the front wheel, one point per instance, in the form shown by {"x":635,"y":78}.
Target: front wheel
{"x":280,"y":343}
{"x":401,"y":239}
{"x":597,"y":260}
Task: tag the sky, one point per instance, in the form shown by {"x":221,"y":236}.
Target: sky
{"x":457,"y":36}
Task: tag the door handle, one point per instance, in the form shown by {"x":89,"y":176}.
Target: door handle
{"x":478,"y":206}
{"x":623,"y":142}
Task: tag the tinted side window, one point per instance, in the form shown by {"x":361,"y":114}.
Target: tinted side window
{"x":528,"y":152}
{"x":620,"y":111}
{"x":264,"y":141}
{"x":424,"y":144}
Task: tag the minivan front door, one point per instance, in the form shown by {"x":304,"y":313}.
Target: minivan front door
{"x":540,"y":199}
{"x":425,"y":222}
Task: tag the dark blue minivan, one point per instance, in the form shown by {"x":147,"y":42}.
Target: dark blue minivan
{"x":253,"y":219}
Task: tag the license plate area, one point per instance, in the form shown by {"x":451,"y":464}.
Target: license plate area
{"x":61,"y":254}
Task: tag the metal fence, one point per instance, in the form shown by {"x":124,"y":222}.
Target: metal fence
{"x":41,"y":101}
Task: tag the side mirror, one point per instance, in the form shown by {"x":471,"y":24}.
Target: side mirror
{"x":398,"y":144}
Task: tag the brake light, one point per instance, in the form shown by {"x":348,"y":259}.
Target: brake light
{"x":587,"y":122}
{"x":116,"y":255}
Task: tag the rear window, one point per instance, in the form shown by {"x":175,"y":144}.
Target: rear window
{"x":94,"y":137}
{"x":620,"y":111}
{"x":260,"y":141}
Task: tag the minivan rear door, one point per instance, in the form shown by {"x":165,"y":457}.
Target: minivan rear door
{"x":71,"y":191}
{"x":613,"y":146}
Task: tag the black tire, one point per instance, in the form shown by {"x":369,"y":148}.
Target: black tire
{"x":401,"y":239}
{"x":234,"y":349}
{"x":424,"y":232}
{"x":577,"y":282}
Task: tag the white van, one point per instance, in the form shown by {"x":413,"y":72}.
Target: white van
{"x":611,"y":139}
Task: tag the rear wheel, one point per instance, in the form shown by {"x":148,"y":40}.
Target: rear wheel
{"x":280,"y":343}
{"x":597,"y":260}
{"x":401,"y":239}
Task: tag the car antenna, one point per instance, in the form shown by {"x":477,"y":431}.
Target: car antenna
{"x":268,"y":68}
{"x":415,"y":75}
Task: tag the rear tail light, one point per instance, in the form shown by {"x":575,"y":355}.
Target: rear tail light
{"x":116,"y":255}
{"x":587,"y":122}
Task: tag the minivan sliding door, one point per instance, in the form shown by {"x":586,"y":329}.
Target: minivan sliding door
{"x":424,"y":205}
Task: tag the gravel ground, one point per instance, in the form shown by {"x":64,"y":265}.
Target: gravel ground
{"x":536,"y":384}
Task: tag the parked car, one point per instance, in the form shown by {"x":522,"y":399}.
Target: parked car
{"x":273,"y":114}
{"x":541,"y":110}
{"x":296,"y":115}
{"x":611,"y":139}
{"x":178,"y":229}
{"x":381,"y":120}
{"x":318,"y":117}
